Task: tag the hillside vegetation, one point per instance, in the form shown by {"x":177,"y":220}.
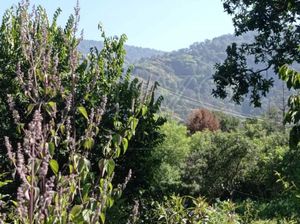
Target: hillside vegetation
{"x":185,"y":78}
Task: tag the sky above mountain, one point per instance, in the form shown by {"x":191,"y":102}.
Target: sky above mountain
{"x":161,"y":24}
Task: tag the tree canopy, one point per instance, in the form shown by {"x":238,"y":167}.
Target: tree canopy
{"x":276,"y":27}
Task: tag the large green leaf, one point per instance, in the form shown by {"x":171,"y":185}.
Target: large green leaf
{"x":83,"y":111}
{"x":54,"y":166}
{"x":110,"y":167}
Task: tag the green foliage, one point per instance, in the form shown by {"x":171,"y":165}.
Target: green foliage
{"x":237,"y":163}
{"x":227,"y":123}
{"x":275,"y":43}
{"x":218,"y":163}
{"x":275,"y":46}
{"x":279,"y":210}
{"x":67,"y":123}
{"x":187,"y":209}
{"x":146,"y":137}
{"x":168,"y":158}
{"x":67,"y":120}
{"x":4,"y":198}
{"x":292,"y":79}
{"x":180,"y":210}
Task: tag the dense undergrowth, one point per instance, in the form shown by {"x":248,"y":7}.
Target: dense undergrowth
{"x":243,"y":175}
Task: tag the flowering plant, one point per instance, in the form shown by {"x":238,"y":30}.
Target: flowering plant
{"x":68,"y":132}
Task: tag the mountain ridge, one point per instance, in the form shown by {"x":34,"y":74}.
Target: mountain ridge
{"x":185,"y":78}
{"x":133,"y":53}
{"x":185,"y":75}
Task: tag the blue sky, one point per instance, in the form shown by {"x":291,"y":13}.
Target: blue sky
{"x":160,"y":24}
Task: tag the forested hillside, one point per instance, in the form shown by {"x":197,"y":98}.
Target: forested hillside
{"x":185,"y":78}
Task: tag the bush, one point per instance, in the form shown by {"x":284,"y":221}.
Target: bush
{"x":227,"y":123}
{"x":181,"y":210}
{"x":255,"y":211}
{"x":234,"y":164}
{"x":201,"y":119}
{"x":218,"y":162}
{"x":67,"y":123}
{"x":168,"y":158}
{"x":187,"y":209}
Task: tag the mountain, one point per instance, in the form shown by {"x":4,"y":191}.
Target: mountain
{"x":133,"y":54}
{"x":185,"y":78}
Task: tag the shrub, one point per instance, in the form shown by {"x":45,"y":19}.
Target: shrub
{"x":186,"y":209}
{"x":147,"y":136}
{"x":64,"y":130}
{"x":201,"y":119}
{"x":217,"y":163}
{"x":228,"y":123}
{"x":235,"y":164}
{"x":168,"y":158}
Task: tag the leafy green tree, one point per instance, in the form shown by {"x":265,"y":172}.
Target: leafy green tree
{"x":235,"y":164}
{"x":275,"y":46}
{"x":147,"y":137}
{"x":217,"y":163}
{"x":292,"y":79}
{"x":227,"y":123}
{"x":168,"y":158}
{"x":276,"y":30}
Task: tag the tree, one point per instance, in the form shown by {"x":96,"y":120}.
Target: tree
{"x":167,"y":159}
{"x":201,"y":119}
{"x":217,"y":162}
{"x":292,"y":79}
{"x":276,"y":46}
{"x":228,"y":123}
{"x":234,"y":164}
{"x":276,"y":29}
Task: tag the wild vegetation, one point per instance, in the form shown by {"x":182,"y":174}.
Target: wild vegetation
{"x":70,"y":118}
{"x":82,"y":141}
{"x":186,"y":79}
{"x":133,"y":54}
